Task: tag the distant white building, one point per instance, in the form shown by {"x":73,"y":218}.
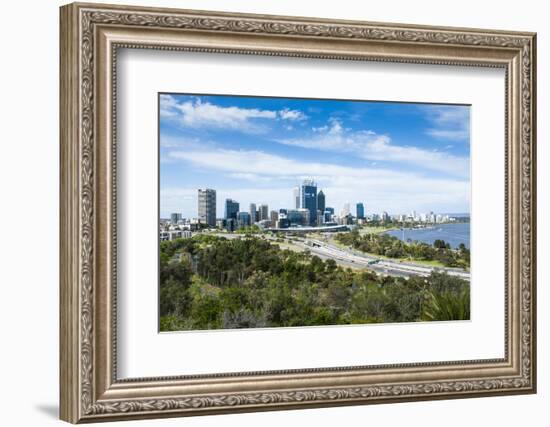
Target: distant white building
{"x":174,"y":234}
{"x":345,"y":210}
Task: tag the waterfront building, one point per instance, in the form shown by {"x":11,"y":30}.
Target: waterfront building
{"x":231,"y":208}
{"x":309,"y":199}
{"x":329,"y":213}
{"x":175,"y":218}
{"x":207,"y":206}
{"x":321,"y":201}
{"x":385,"y":216}
{"x":298,"y":217}
{"x":252,"y":210}
{"x":296,"y":197}
{"x":360,"y":208}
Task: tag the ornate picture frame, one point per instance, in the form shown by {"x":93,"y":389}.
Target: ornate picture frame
{"x":90,"y":37}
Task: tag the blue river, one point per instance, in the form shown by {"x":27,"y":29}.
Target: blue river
{"x":454,"y":234}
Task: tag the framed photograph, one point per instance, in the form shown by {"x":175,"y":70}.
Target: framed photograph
{"x":266,"y":212}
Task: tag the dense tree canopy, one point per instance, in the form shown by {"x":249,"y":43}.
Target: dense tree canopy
{"x":208,"y":282}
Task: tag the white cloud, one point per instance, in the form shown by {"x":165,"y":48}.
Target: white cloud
{"x":371,"y":146}
{"x":178,"y":142}
{"x":450,"y":122}
{"x":293,"y":115}
{"x":453,"y":135}
{"x":195,"y":113}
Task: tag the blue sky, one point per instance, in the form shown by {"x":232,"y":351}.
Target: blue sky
{"x":393,"y":157}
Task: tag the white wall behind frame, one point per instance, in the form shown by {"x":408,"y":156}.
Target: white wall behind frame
{"x":29,"y":171}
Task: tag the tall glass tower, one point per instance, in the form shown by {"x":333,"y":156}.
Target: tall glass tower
{"x":360,"y":210}
{"x":321,"y":201}
{"x":309,"y":199}
{"x":231,"y":208}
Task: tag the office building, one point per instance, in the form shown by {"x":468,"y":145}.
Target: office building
{"x":360,"y":210}
{"x":252,"y":211}
{"x":296,"y":197}
{"x":321,"y":201}
{"x":175,"y":218}
{"x":320,"y":217}
{"x":243,"y":219}
{"x":207,"y":206}
{"x":231,"y":208}
{"x":329,"y":213}
{"x":263,"y":213}
{"x":273,"y":217}
{"x":230,"y":224}
{"x":308,"y":194}
{"x":298,"y":217}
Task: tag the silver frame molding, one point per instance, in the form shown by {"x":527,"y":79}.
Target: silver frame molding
{"x":90,"y":37}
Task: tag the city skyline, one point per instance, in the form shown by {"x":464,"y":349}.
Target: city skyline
{"x":232,"y":207}
{"x":392,"y":157}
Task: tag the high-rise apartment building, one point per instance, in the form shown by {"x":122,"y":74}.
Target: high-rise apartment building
{"x":309,"y":199}
{"x":207,"y":206}
{"x":231,"y":208}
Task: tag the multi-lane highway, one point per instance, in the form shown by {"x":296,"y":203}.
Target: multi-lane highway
{"x":351,"y":258}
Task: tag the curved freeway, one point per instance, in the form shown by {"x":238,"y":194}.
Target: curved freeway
{"x":355,"y":259}
{"x":382,"y":266}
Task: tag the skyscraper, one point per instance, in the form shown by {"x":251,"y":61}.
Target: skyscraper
{"x":264,"y":212}
{"x":321,"y":201}
{"x":175,"y":218}
{"x":360,"y":210}
{"x":252,"y":211}
{"x":309,"y":199}
{"x":231,"y":208}
{"x":296,"y":197}
{"x":207,"y":206}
